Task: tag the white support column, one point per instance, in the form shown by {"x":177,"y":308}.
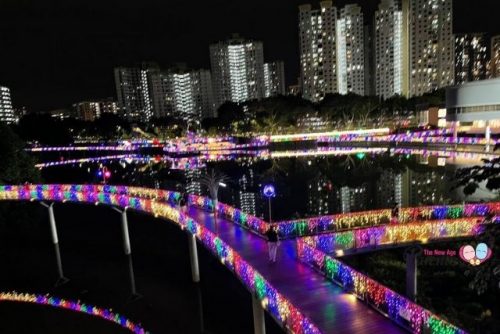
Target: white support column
{"x":259,"y":322}
{"x":193,"y":256}
{"x":487,"y":135}
{"x":55,"y":240}
{"x":125,"y":235}
{"x":411,"y":255}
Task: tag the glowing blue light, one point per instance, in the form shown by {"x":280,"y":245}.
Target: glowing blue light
{"x":269,"y":190}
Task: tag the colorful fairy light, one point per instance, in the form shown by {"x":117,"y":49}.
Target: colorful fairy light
{"x":75,"y":306}
{"x":394,"y":234}
{"x":277,"y":305}
{"x":394,"y":305}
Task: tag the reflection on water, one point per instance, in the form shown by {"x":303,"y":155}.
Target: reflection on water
{"x":311,"y":182}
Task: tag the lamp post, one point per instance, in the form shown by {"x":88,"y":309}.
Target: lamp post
{"x":269,"y":192}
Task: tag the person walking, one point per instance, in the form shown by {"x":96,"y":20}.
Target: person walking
{"x":272,"y":243}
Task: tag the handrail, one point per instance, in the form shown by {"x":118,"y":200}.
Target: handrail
{"x":75,"y":306}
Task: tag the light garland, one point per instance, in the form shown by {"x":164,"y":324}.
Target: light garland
{"x":395,"y":306}
{"x":394,"y":234}
{"x":277,"y":305}
{"x":76,"y":306}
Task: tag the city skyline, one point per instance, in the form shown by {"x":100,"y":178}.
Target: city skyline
{"x":59,"y":76}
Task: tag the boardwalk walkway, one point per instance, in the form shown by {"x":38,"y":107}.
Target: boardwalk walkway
{"x":326,"y":304}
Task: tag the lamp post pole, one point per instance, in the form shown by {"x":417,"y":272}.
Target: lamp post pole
{"x":270,"y":218}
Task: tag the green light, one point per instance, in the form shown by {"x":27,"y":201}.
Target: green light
{"x":360,"y":155}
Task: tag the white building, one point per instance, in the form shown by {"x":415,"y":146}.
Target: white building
{"x":318,"y":50}
{"x":181,"y":93}
{"x":91,"y":110}
{"x":474,"y":106}
{"x":470,"y":57}
{"x":431,"y":56}
{"x":6,"y":109}
{"x":350,"y":51}
{"x":274,"y":79}
{"x":388,"y":39}
{"x":132,"y":90}
{"x":237,"y":70}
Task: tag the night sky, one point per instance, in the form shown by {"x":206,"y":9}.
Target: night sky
{"x":57,"y":52}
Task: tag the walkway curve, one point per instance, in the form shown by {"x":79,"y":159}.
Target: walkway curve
{"x":280,"y":308}
{"x":75,"y":306}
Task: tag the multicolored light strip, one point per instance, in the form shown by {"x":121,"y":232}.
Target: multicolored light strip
{"x":276,"y":304}
{"x":82,"y":148}
{"x":76,"y":306}
{"x":315,"y":225}
{"x":395,"y":306}
{"x":394,"y":234}
{"x":84,"y":160}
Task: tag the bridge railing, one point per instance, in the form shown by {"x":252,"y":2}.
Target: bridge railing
{"x":393,"y":234}
{"x":277,"y":305}
{"x":322,"y":224}
{"x":75,"y":306}
{"x":395,"y":306}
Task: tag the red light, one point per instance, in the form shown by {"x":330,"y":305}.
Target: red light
{"x":107,"y":174}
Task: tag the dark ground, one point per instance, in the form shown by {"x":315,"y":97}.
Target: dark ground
{"x":92,"y":256}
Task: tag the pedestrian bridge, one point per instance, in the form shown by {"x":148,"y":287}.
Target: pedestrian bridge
{"x":294,"y":293}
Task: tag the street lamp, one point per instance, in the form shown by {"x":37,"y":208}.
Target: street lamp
{"x":269,"y":192}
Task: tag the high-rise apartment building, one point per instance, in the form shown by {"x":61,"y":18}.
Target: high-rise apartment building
{"x":318,"y":50}
{"x":470,"y":57}
{"x":431,"y":52}
{"x":6,"y":110}
{"x":133,"y":92}
{"x":91,"y":110}
{"x":350,"y":50}
{"x":237,"y":70}
{"x":495,"y":57}
{"x":274,"y":79}
{"x":181,"y":93}
{"x":388,"y":40}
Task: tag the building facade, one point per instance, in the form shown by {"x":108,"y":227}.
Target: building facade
{"x":495,"y":57}
{"x":237,"y":70}
{"x":431,"y":52}
{"x":6,"y":110}
{"x":470,"y":58}
{"x":133,"y":91}
{"x":350,"y":51}
{"x":183,"y":94}
{"x":388,"y":40}
{"x":274,"y":79}
{"x":318,"y":50}
{"x":91,"y":110}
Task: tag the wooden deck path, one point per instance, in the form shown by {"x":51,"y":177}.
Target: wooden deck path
{"x":326,"y":304}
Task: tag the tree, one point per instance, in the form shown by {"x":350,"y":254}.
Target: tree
{"x":213,"y":180}
{"x":16,"y":166}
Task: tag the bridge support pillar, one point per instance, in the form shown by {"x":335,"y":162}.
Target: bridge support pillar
{"x":193,"y":256}
{"x":411,"y":272}
{"x":125,"y":235}
{"x":55,"y":240}
{"x":487,"y":136}
{"x":259,"y":322}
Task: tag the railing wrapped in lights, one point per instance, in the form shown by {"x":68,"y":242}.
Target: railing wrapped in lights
{"x":395,"y":306}
{"x":394,"y":234}
{"x":171,"y":197}
{"x":308,"y":226}
{"x":237,"y":216}
{"x":276,"y":304}
{"x":73,"y":306}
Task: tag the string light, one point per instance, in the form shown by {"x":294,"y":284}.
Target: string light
{"x":73,"y":306}
{"x":384,"y":299}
